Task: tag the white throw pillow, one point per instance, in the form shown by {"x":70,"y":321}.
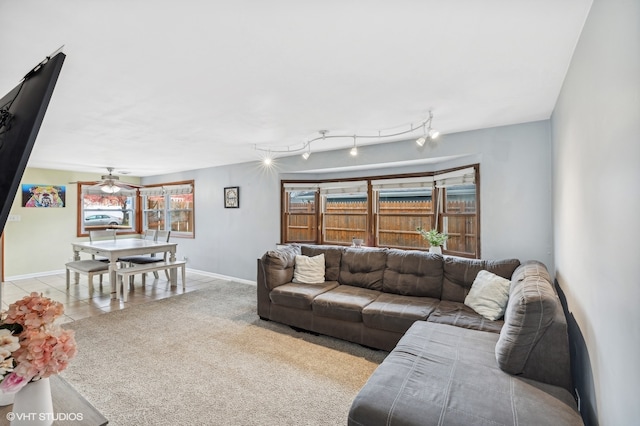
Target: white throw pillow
{"x":309,"y":270}
{"x":489,"y":295}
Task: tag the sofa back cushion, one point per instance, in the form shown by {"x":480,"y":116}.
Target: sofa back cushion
{"x":413,"y":273}
{"x":332,"y":258}
{"x":459,"y":274}
{"x":534,"y":340}
{"x":363,"y":267}
{"x":278,"y":265}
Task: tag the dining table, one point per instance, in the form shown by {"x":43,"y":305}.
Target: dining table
{"x":113,"y":250}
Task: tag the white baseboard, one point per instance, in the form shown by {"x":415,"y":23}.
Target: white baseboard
{"x":36,"y":275}
{"x":223,"y":277}
{"x":195,"y":271}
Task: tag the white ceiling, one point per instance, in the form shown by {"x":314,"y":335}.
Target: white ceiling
{"x":156,"y":86}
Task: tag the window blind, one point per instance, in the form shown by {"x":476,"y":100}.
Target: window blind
{"x":404,"y":183}
{"x":298,"y":187}
{"x":166,"y":190}
{"x":343,"y":187}
{"x":456,"y":177}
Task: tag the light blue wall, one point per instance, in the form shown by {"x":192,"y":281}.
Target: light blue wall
{"x":515,"y":168}
{"x":596,"y":206}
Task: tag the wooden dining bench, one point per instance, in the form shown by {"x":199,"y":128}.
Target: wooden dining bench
{"x":125,"y":273}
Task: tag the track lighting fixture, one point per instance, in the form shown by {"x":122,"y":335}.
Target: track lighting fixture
{"x":307,"y":154}
{"x":354,"y":150}
{"x":428,"y":135}
{"x":267,"y":160}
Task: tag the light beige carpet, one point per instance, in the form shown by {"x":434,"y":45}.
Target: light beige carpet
{"x":205,"y":358}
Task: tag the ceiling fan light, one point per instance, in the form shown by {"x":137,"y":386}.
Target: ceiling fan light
{"x":110,"y":189}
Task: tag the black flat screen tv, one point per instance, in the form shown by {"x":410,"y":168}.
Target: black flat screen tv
{"x":21,"y":113}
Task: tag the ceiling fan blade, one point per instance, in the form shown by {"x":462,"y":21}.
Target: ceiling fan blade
{"x":132,"y":185}
{"x":127,"y":186}
{"x":113,"y":180}
{"x":96,"y":186}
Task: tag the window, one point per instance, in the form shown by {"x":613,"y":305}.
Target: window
{"x":386,"y":211}
{"x":168,"y":207}
{"x":459,"y":220}
{"x":300,"y":213}
{"x":344,"y":211}
{"x":401,"y":206}
{"x":99,"y":210}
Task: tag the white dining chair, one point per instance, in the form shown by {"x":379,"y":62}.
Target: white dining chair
{"x":101,"y":235}
{"x":93,"y":266}
{"x":141,"y":260}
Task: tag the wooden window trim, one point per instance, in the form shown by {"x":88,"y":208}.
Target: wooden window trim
{"x":372,"y":217}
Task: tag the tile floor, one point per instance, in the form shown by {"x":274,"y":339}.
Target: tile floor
{"x":78,"y":303}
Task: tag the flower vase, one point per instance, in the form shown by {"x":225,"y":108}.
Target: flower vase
{"x":33,"y":405}
{"x":435,"y":249}
{"x":6,"y":398}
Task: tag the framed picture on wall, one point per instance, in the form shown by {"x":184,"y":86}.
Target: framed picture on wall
{"x":232,"y":197}
{"x":36,"y":195}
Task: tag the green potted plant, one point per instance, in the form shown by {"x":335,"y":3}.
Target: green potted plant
{"x":436,"y":239}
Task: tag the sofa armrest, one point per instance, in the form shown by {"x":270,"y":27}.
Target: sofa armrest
{"x":533,"y":342}
{"x":277,"y":266}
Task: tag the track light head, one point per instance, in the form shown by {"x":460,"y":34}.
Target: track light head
{"x":306,"y":155}
{"x":429,"y":134}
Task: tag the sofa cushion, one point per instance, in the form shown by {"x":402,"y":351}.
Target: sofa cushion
{"x":459,"y":274}
{"x":413,"y":273}
{"x":332,"y":257}
{"x":344,"y":303}
{"x":488,"y":295}
{"x":531,"y":309}
{"x":278,"y":265}
{"x":363,"y":267}
{"x":394,"y":312}
{"x":460,"y":315}
{"x":309,"y":270}
{"x":298,"y":295}
{"x":444,"y":375}
{"x":503,"y":268}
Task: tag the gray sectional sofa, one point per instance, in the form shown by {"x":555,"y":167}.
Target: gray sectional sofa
{"x":447,"y":365}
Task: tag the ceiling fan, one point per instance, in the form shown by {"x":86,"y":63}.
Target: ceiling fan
{"x":111,"y":184}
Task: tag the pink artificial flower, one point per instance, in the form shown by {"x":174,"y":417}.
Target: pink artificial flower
{"x":44,"y":352}
{"x":13,"y":383}
{"x":44,"y":348}
{"x":34,"y":311}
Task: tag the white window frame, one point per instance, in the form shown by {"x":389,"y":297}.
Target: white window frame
{"x":168,"y":191}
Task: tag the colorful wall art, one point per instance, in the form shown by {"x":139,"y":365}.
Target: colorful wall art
{"x":43,"y":195}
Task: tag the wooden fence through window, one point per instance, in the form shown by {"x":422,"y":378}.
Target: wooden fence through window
{"x":396,"y":223}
